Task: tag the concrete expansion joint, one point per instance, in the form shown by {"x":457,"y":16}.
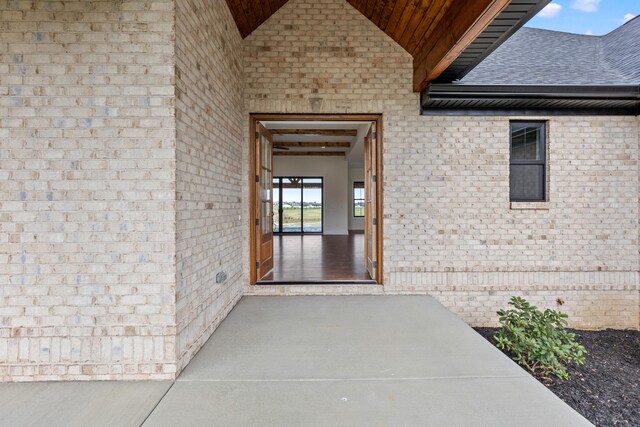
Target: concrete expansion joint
{"x":293,"y":380}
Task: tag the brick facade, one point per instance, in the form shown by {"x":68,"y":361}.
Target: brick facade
{"x":449,"y":229}
{"x":209,"y":169}
{"x":87,"y":190}
{"x":123,"y":157}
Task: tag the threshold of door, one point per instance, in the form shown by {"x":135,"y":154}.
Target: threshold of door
{"x":315,"y":282}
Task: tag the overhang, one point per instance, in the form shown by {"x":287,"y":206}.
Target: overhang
{"x":511,"y":19}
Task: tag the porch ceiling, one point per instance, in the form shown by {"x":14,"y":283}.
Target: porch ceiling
{"x":434,"y":32}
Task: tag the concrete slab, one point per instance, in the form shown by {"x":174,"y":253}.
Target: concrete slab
{"x":361,"y":360}
{"x":345,"y":337}
{"x":107,"y":403}
{"x":439,"y":402}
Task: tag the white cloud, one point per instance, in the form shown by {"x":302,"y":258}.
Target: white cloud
{"x":586,"y":5}
{"x":588,"y":33}
{"x":628,"y":17}
{"x":551,"y":10}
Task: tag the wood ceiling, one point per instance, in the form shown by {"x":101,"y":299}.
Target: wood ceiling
{"x":434,"y":32}
{"x":318,"y":141}
{"x":250,"y":14}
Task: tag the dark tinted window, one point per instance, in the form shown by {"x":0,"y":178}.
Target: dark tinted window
{"x":528,"y":161}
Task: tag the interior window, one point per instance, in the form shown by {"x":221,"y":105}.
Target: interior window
{"x":358,"y":199}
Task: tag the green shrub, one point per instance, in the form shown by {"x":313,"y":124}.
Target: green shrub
{"x":538,"y":340}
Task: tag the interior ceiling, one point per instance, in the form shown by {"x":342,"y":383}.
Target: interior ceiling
{"x":326,"y":138}
{"x":434,"y":32}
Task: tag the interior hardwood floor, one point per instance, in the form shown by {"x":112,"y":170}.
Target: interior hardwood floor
{"x":312,"y":257}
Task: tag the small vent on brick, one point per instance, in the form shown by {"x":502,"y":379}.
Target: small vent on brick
{"x":221,"y":277}
{"x":208,"y":205}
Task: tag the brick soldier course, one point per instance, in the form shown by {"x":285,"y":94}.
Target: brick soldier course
{"x":123,"y":192}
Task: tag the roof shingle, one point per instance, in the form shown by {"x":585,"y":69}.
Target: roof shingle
{"x":542,"y":57}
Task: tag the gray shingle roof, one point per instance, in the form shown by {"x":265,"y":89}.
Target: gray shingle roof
{"x":542,"y":57}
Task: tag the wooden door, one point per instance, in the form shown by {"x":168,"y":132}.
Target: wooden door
{"x":264,"y":200}
{"x":371,"y":203}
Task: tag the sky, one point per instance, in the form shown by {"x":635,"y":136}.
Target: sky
{"x":595,"y":17}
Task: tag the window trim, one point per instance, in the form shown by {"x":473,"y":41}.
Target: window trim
{"x":542,"y":162}
{"x":353,"y":199}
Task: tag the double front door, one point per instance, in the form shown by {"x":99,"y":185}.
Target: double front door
{"x":371,"y":220}
{"x":288,"y":214}
{"x":264,"y":199}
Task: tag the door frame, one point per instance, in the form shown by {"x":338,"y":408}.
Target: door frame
{"x":256,"y":117}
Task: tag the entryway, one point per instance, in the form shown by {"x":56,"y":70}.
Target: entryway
{"x":316,"y":203}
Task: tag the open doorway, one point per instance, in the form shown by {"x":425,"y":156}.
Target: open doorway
{"x":316,"y":199}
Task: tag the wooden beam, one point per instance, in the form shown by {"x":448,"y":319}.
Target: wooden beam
{"x":457,"y":29}
{"x":308,"y":153}
{"x":325,"y":132}
{"x":312,"y":144}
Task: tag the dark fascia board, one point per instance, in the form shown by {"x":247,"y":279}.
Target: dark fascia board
{"x":453,"y":72}
{"x":572,"y":97}
{"x":452,"y":91}
{"x":569,"y":111}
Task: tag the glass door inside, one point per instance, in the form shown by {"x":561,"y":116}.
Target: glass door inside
{"x":276,"y":205}
{"x":297,"y":205}
{"x":312,"y":205}
{"x":291,"y":204}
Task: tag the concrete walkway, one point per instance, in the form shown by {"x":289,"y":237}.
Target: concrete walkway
{"x":354,"y":361}
{"x":320,"y":361}
{"x":78,"y":404}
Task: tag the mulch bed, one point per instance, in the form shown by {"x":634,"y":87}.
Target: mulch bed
{"x":606,"y":389}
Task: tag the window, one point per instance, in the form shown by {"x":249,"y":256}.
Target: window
{"x":527,"y":180}
{"x":358,"y":199}
{"x":297,"y":205}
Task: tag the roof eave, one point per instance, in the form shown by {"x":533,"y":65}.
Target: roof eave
{"x":513,"y":17}
{"x":552,"y":99}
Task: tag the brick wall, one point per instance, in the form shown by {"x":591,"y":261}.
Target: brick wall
{"x":87,"y":189}
{"x":449,"y":229}
{"x":123,"y":190}
{"x":209,"y":169}
{"x":580,"y":247}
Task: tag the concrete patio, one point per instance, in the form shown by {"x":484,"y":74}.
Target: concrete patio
{"x":360,"y":360}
